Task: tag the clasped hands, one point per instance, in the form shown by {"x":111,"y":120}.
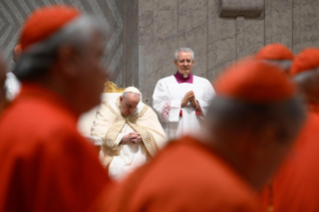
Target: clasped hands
{"x":133,"y":137}
{"x":189,"y":97}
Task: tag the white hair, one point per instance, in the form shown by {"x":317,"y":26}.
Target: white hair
{"x":133,"y":90}
{"x":184,"y":49}
{"x":39,"y":57}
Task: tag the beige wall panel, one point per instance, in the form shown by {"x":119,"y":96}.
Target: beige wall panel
{"x":253,"y":36}
{"x":146,"y":33}
{"x":192,"y":31}
{"x":305,"y":24}
{"x":158,"y":41}
{"x":146,"y":48}
{"x":130,"y":73}
{"x":221,"y":40}
{"x":278,"y":22}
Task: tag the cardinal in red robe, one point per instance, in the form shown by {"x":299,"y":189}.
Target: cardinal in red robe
{"x":46,"y":165}
{"x":296,"y":185}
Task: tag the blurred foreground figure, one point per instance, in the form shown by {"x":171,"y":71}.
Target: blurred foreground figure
{"x":296,"y":186}
{"x":3,"y":72}
{"x":46,"y":165}
{"x":248,"y":130}
{"x":12,"y":83}
{"x":130,"y":131}
{"x":16,"y":53}
{"x":276,"y":54}
{"x":181,"y":100}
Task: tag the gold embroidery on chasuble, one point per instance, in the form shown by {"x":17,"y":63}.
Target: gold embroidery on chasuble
{"x":110,"y":149}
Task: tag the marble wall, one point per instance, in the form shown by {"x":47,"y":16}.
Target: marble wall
{"x":145,"y":33}
{"x":165,"y":25}
{"x":14,"y":12}
{"x":130,"y":65}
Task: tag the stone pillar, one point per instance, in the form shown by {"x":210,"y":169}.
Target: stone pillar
{"x":130,"y":74}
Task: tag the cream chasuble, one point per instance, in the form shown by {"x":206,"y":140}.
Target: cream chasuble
{"x":167,"y":98}
{"x":111,"y":126}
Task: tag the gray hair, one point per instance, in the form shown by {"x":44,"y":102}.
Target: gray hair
{"x":132,"y":90}
{"x":184,"y":49}
{"x":228,"y":114}
{"x":307,"y":82}
{"x":282,"y":64}
{"x":125,"y":94}
{"x":38,"y":58}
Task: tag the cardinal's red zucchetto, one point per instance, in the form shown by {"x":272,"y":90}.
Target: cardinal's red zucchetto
{"x":307,"y":60}
{"x":256,"y":82}
{"x":275,"y":51}
{"x":44,"y":22}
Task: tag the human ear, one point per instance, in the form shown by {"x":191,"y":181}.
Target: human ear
{"x":175,"y":62}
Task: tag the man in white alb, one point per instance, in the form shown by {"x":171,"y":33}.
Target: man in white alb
{"x":181,"y":99}
{"x":131,"y":133}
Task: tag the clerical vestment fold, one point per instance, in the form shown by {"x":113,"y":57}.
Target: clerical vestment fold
{"x":167,"y":98}
{"x":112,"y":126}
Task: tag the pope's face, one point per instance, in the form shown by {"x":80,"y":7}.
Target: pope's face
{"x":184,"y":63}
{"x":128,"y":104}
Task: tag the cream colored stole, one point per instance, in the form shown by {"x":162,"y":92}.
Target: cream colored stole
{"x":110,"y":149}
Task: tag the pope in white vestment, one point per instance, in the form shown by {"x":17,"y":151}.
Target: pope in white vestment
{"x":130,"y":131}
{"x":181,"y":100}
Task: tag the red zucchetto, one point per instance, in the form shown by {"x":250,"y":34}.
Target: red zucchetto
{"x":44,"y":22}
{"x":275,"y":51}
{"x":307,"y":60}
{"x":255,"y":82}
